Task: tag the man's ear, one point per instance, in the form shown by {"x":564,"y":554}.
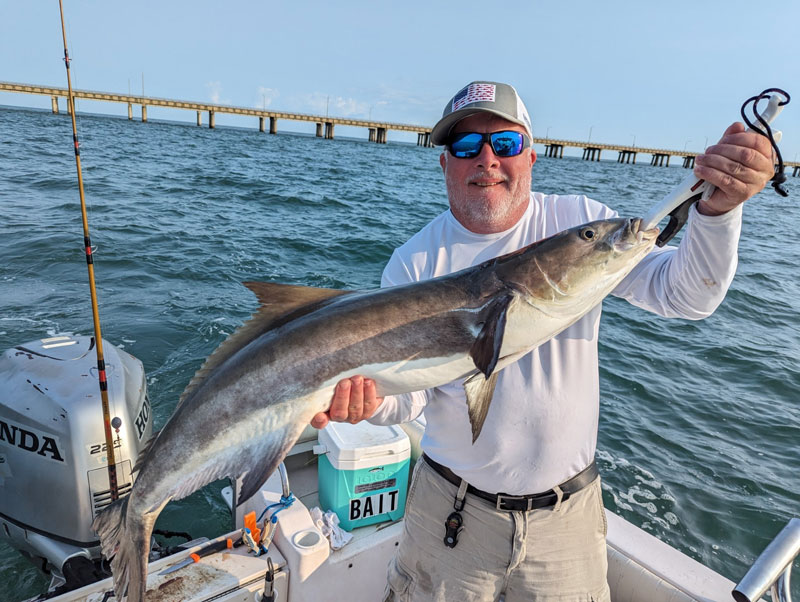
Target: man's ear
{"x":533,"y":157}
{"x":442,"y":161}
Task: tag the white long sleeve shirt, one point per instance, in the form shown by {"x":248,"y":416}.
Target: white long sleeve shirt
{"x":541,"y":428}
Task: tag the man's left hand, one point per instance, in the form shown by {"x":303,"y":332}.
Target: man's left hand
{"x":354,"y":399}
{"x":739,"y":165}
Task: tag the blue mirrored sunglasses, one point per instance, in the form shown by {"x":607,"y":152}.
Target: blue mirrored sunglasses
{"x":466,"y":145}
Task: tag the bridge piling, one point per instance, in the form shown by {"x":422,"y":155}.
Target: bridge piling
{"x":55,"y":104}
{"x":371,"y":136}
{"x":591,"y":153}
{"x":688,"y":162}
{"x":796,"y":171}
{"x":658,"y":159}
{"x":273,"y":125}
{"x":319,"y":130}
{"x":625,"y":156}
{"x":329,"y":130}
{"x":261,"y":124}
{"x":144,"y":113}
{"x":419,"y":139}
{"x":69,"y":107}
{"x":212,"y":121}
{"x":381,"y":136}
{"x":130,"y":112}
{"x":199,"y":118}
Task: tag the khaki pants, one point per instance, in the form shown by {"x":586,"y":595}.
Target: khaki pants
{"x":553,"y":554}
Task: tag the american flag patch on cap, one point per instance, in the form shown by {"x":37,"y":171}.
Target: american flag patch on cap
{"x":473,"y":93}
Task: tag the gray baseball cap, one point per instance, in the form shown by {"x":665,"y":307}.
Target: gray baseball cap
{"x":477,"y":97}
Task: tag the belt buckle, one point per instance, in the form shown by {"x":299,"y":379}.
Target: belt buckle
{"x":501,"y":499}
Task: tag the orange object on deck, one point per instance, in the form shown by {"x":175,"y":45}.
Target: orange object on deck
{"x":250,"y":523}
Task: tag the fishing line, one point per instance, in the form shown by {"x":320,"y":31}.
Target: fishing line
{"x":779,"y":177}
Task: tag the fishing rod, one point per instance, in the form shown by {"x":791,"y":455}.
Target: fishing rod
{"x":98,"y":337}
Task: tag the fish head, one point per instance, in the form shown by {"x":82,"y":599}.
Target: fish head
{"x":583,"y":264}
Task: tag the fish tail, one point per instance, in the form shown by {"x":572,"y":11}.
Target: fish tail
{"x":125,"y":541}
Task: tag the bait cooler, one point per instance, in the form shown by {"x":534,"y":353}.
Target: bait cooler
{"x":363,"y":472}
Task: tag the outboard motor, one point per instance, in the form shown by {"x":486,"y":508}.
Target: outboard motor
{"x":53,"y":466}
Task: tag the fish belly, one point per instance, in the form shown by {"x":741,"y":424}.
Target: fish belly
{"x":405,"y":376}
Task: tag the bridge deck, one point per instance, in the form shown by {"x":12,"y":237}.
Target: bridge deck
{"x":151,"y":101}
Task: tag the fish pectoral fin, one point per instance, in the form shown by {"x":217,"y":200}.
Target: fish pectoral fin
{"x":485,"y":350}
{"x":479,"y":392}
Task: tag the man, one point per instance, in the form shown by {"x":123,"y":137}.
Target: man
{"x":543,"y":537}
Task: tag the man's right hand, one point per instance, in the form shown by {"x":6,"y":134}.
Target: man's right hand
{"x":354,"y":400}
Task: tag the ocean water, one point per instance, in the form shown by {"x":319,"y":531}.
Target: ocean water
{"x":700,"y":421}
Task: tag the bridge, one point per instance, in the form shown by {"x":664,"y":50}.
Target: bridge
{"x":377,"y":130}
{"x":658,"y":156}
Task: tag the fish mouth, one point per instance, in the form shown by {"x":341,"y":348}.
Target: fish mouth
{"x":632,"y":236}
{"x":636,"y":227}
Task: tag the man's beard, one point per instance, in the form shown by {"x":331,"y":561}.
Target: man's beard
{"x":477,"y":209}
{"x":483,"y":211}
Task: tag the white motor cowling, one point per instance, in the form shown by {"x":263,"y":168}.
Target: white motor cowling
{"x":53,"y":465}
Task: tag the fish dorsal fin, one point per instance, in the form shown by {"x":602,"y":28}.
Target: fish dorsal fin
{"x":285,"y":298}
{"x":280,"y":303}
{"x":479,"y":390}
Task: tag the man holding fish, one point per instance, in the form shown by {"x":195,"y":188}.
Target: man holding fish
{"x":518,"y":510}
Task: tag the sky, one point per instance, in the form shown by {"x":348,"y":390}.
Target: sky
{"x":671,"y":74}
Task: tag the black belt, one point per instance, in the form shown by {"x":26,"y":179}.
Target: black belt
{"x":502,"y":501}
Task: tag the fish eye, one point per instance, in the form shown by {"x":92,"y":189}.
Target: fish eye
{"x":587,"y":234}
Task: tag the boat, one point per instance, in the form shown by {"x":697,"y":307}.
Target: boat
{"x":48,"y":441}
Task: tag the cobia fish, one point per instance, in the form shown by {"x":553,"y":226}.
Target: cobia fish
{"x":250,"y":401}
